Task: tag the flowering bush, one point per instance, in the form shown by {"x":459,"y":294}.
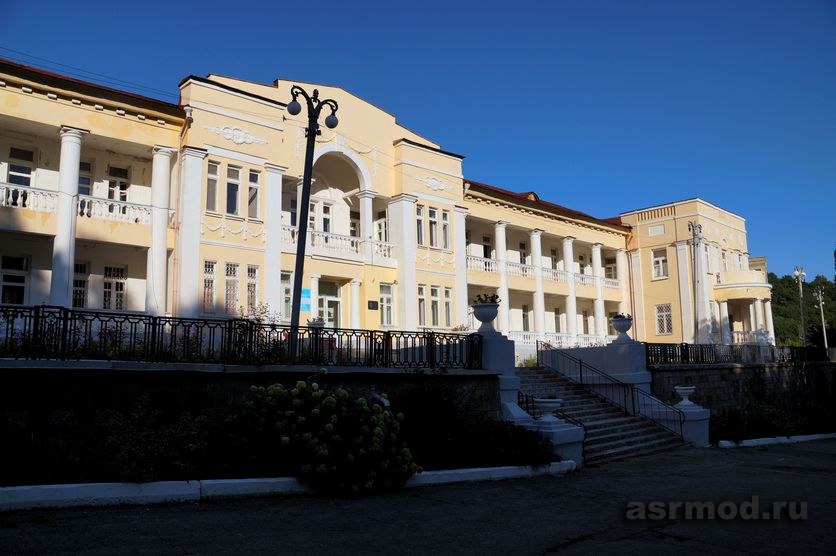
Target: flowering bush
{"x":486,"y":298}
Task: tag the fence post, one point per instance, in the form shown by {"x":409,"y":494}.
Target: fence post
{"x":65,"y":326}
{"x":151,"y":347}
{"x":430,"y":343}
{"x":36,"y":332}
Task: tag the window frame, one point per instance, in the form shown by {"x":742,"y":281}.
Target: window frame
{"x":252,"y":288}
{"x":659,"y":265}
{"x":232,"y":286}
{"x":387,"y":302}
{"x":212,"y":180}
{"x":253,"y":194}
{"x":81,"y":283}
{"x":22,"y":273}
{"x":448,"y":307}
{"x":115,"y":288}
{"x":662,"y":311}
{"x":419,"y":224}
{"x":209,"y":280}
{"x":232,"y":184}
{"x":422,"y":305}
{"x":21,"y":163}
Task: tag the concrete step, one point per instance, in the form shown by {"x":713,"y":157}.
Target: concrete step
{"x":629,"y":452}
{"x":607,"y":442}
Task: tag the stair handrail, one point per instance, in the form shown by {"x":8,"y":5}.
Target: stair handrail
{"x":527,"y":403}
{"x":629,"y":397}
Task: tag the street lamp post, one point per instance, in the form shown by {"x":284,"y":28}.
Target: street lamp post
{"x":819,"y":295}
{"x":799,"y":276}
{"x":314,"y":108}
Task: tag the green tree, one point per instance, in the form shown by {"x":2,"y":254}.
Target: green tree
{"x":787,"y":316}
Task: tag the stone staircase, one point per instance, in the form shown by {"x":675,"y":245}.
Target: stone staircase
{"x":611,"y":433}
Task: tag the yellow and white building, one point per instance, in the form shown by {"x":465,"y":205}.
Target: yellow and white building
{"x":115,"y":201}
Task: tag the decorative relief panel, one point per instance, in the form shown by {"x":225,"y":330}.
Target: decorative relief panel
{"x":237,"y":135}
{"x":433,"y":183}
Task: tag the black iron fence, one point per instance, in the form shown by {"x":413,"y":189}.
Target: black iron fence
{"x":46,"y":332}
{"x":704,"y":354}
{"x":628,"y":397}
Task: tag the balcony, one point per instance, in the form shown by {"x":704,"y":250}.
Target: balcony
{"x":741,"y":277}
{"x":558,"y":339}
{"x":482,"y":264}
{"x":584,"y":279}
{"x":28,"y":198}
{"x":107,"y":209}
{"x":519,"y":269}
{"x":340,"y":246}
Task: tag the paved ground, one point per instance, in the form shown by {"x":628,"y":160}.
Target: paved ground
{"x":578,"y":514}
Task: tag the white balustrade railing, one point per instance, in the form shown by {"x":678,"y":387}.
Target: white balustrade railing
{"x":481,"y":263}
{"x":554,"y":275}
{"x":591,"y":340}
{"x":383,"y":249}
{"x":584,"y":279}
{"x":520,"y":337}
{"x":519,"y":269}
{"x":289,"y":234}
{"x":559,"y":339}
{"x":108,"y":209}
{"x":335,"y":242}
{"x":744,"y":337}
{"x":23,"y":197}
{"x":612,"y":283}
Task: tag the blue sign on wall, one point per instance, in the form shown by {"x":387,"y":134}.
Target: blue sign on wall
{"x":306,"y":300}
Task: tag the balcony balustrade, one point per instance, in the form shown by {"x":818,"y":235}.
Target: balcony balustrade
{"x":584,"y":279}
{"x":559,"y":339}
{"x":519,"y":269}
{"x":555,"y":275}
{"x":108,"y":209}
{"x":334,"y":243}
{"x":482,"y":264}
{"x":612,"y":283}
{"x":383,"y":249}
{"x":29,"y":198}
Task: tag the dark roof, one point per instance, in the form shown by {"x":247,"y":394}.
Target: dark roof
{"x":436,"y":149}
{"x":532,"y":199}
{"x":89,"y":88}
{"x":232,"y":89}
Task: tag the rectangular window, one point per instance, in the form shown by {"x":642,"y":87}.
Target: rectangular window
{"x":117,"y":189}
{"x":326,"y":218}
{"x":419,"y":223}
{"x":422,"y":305}
{"x":433,"y":217}
{"x":354,"y":224}
{"x":434,"y":305}
{"x":21,"y":163}
{"x":293,"y":212}
{"x":610,"y":270}
{"x":525,"y":324}
{"x":231,"y":303}
{"x":252,"y":288}
{"x":114,"y":288}
{"x":445,"y":229}
{"x":212,"y":187}
{"x":15,"y":271}
{"x":381,"y":228}
{"x":287,"y":295}
{"x":386,"y":298}
{"x":85,"y":177}
{"x":664,"y":319}
{"x":523,"y":253}
{"x":80,"y":281}
{"x":448,"y":307}
{"x":557,"y":319}
{"x":233,"y":183}
{"x":209,"y":286}
{"x":554,"y":256}
{"x":660,"y":263}
{"x":252,"y":196}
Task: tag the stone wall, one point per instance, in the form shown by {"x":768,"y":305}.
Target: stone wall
{"x":723,"y":387}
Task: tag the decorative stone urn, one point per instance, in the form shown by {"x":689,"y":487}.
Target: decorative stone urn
{"x":685,"y":392}
{"x":486,"y":314}
{"x":622,"y":324}
{"x":547,"y":407}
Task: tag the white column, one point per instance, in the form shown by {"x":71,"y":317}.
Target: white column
{"x":770,"y":328}
{"x":598,"y":271}
{"x":571,"y":299}
{"x":641,"y":332}
{"x":314,"y":313}
{"x":623,"y":280}
{"x":157,"y":265}
{"x":539,"y":294}
{"x":272,"y":215}
{"x":685,"y":292}
{"x":759,"y":315}
{"x":355,"y":303}
{"x":63,"y":246}
{"x":702,"y":302}
{"x":504,"y":316}
{"x":402,"y":236}
{"x":189,"y":287}
{"x":367,"y":222}
{"x":752,"y":325}
{"x":725,"y":325}
{"x":462,"y":297}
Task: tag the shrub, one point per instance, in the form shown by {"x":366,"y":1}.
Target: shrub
{"x":530,"y":361}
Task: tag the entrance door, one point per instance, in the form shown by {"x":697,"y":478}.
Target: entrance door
{"x":329,"y":304}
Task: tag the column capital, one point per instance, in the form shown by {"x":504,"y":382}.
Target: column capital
{"x":195,"y":152}
{"x":67,"y":132}
{"x":597,"y":246}
{"x":403,"y":197}
{"x":366,"y":194}
{"x":356,"y":282}
{"x":500,"y":224}
{"x":316,"y":276}
{"x":271,"y":168}
{"x":461,"y":210}
{"x":568,"y":239}
{"x":163,"y":151}
{"x":536,"y":232}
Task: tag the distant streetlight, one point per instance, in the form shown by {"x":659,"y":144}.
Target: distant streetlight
{"x":819,"y":295}
{"x":314,"y":108}
{"x":799,"y":277}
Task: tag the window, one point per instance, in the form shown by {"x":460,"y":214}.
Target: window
{"x":434,"y":305}
{"x":80,"y":280}
{"x":326,"y":218}
{"x":293,"y":212}
{"x":212,"y":188}
{"x":448,"y":307}
{"x":386,"y":304}
{"x":231,"y":288}
{"x":252,"y":197}
{"x":85,"y":183}
{"x":433,"y":217}
{"x":209,"y":286}
{"x":664,"y":319}
{"x":287,"y":295}
{"x":525,"y":323}
{"x":610,"y":270}
{"x":114,"y":288}
{"x":21,"y":162}
{"x":117,"y":189}
{"x":233,"y":182}
{"x":419,"y":223}
{"x":252,"y":288}
{"x":15,"y":274}
{"x":422,"y":305}
{"x":554,"y":256}
{"x":445,"y":229}
{"x":660,"y":263}
{"x":354,"y":224}
{"x":381,"y":228}
{"x":557,"y":319}
{"x":523,"y":253}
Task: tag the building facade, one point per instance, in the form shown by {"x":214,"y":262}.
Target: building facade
{"x":113,"y":201}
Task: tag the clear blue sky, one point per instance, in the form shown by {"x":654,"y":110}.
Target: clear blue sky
{"x":602,"y":106}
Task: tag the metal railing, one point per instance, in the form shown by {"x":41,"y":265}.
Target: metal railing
{"x":712,"y":354}
{"x":46,"y":332}
{"x":628,"y":397}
